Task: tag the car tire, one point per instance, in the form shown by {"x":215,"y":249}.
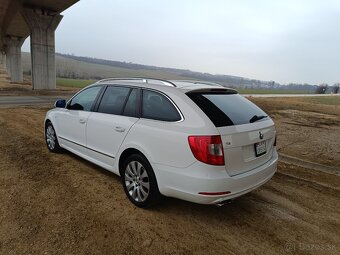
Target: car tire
{"x":51,"y":138}
{"x":139,"y":181}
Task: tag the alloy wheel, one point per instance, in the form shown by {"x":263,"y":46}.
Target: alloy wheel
{"x":137,"y":181}
{"x":50,"y":137}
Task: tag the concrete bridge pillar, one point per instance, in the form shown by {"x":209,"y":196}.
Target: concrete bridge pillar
{"x":42,"y":25}
{"x":13,"y":57}
{"x":2,"y":59}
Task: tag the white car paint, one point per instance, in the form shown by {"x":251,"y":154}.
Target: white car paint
{"x":102,"y":138}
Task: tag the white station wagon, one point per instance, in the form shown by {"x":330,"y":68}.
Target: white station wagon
{"x":195,"y":141}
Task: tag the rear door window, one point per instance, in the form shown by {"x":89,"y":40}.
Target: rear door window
{"x":113,"y":100}
{"x":227,"y":109}
{"x":156,"y":106}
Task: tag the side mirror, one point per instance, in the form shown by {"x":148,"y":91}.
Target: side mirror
{"x":61,"y":103}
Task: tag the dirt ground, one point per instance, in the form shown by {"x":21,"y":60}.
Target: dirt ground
{"x":61,"y":204}
{"x":25,"y":89}
{"x":306,"y":129}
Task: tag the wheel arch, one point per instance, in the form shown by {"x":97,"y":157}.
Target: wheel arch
{"x":125,"y":154}
{"x":155,"y":195}
{"x":50,"y":118}
{"x":47,"y":120}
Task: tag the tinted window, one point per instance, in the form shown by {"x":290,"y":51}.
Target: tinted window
{"x":226,"y":109}
{"x":158,"y":107}
{"x":113,"y":100}
{"x":85,"y":99}
{"x":131,"y":104}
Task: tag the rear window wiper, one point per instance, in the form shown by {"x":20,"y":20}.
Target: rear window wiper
{"x":256,"y":118}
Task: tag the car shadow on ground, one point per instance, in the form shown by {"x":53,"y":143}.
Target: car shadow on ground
{"x":236,"y":206}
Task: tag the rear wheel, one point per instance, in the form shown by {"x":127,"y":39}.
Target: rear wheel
{"x":139,"y":181}
{"x":51,"y":138}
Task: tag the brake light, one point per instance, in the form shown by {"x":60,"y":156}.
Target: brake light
{"x":207,"y":149}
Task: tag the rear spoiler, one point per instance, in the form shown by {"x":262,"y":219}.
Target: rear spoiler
{"x":213,"y":91}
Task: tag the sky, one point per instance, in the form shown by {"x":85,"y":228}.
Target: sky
{"x":289,"y":41}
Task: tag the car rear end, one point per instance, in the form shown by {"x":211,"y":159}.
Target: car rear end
{"x":238,"y":158}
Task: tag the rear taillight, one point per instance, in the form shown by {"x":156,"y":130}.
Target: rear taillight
{"x":275,"y":141}
{"x":207,"y":149}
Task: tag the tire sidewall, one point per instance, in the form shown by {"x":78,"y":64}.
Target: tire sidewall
{"x":56,"y":146}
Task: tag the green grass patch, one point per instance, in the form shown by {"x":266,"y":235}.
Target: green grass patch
{"x":271,"y":91}
{"x":74,"y":83}
{"x":327,"y":100}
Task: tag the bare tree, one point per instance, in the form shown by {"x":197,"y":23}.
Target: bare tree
{"x":321,"y":89}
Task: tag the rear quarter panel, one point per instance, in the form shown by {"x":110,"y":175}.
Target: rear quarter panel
{"x":165,"y":142}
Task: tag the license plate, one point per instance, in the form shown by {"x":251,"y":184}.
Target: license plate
{"x":260,"y":148}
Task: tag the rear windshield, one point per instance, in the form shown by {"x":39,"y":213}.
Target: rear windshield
{"x":227,"y":109}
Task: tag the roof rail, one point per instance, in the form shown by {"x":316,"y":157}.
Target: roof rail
{"x":145,"y":80}
{"x":201,"y":82}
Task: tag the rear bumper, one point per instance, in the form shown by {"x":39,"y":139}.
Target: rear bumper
{"x":188,"y":182}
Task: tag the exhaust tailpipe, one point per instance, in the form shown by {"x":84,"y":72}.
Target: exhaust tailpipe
{"x":225,"y":202}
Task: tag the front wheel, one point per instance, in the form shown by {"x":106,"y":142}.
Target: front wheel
{"x":51,"y":138}
{"x":139,"y":181}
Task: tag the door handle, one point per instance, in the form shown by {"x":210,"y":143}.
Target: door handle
{"x":119,"y":129}
{"x":82,"y":121}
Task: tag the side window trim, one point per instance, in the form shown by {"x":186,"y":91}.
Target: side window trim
{"x":167,"y":97}
{"x":125,"y":102}
{"x":99,"y":98}
{"x":138,"y":101}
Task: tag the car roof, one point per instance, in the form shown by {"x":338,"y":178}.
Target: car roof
{"x":159,"y":84}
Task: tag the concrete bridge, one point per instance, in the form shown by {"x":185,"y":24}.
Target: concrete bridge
{"x":39,"y":20}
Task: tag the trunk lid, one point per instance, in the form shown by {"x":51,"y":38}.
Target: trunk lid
{"x":239,"y":146}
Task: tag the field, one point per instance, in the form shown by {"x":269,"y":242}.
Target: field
{"x":73,"y":83}
{"x":67,"y":67}
{"x":334,"y":100}
{"x":80,"y":83}
{"x":271,"y":91}
{"x":61,"y":204}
